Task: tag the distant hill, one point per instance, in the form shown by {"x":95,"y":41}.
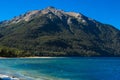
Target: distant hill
{"x":54,"y":32}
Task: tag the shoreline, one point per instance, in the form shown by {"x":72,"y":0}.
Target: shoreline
{"x":6,"y":77}
{"x":47,"y":57}
{"x":30,"y":57}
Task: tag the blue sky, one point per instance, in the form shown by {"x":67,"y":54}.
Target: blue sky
{"x":106,"y":11}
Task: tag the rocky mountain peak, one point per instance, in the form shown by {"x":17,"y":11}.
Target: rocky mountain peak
{"x":53,"y":10}
{"x":62,"y":14}
{"x":58,"y":12}
{"x":49,"y":10}
{"x":26,"y":17}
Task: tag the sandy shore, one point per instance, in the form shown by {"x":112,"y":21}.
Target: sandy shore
{"x":31,"y":57}
{"x":25,"y":57}
{"x":37,"y":57}
{"x":44,"y":57}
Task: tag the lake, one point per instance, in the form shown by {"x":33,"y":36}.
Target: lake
{"x":62,"y":68}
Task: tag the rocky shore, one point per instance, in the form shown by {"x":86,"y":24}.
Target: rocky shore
{"x":6,"y":77}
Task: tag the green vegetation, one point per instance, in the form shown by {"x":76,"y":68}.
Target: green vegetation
{"x":48,"y":35}
{"x":12,"y":52}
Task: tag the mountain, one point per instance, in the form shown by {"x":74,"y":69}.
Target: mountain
{"x":54,"y":32}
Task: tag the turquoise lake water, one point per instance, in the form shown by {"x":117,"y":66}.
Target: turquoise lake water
{"x":62,"y":68}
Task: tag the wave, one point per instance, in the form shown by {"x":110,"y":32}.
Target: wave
{"x":10,"y":76}
{"x":6,"y":77}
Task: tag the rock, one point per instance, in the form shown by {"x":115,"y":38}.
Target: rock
{"x":5,"y":77}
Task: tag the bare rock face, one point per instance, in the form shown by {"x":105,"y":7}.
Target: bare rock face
{"x":36,"y":13}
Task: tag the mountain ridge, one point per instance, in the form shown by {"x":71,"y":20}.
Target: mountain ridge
{"x":54,"y":32}
{"x":49,"y":9}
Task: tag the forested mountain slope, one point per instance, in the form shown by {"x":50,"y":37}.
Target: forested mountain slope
{"x":53,"y":32}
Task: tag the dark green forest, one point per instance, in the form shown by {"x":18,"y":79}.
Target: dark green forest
{"x":12,"y":52}
{"x":58,"y":35}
